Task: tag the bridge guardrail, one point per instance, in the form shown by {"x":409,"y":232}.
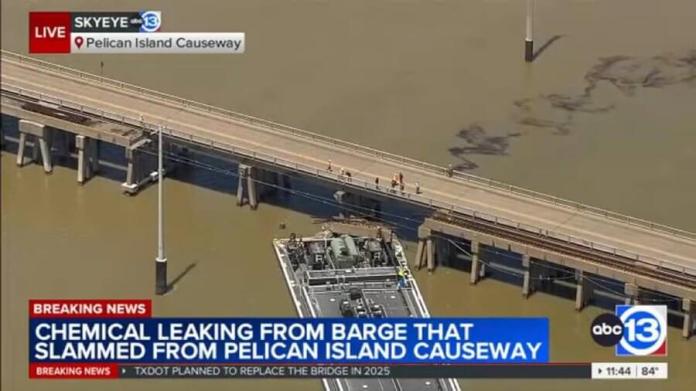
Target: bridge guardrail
{"x":331,"y":176}
{"x":277,"y":127}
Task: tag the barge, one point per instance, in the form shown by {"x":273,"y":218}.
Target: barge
{"x":354,"y":270}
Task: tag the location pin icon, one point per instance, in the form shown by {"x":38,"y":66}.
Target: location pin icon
{"x":78,"y":42}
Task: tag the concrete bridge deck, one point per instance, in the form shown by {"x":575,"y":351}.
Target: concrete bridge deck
{"x":272,"y":144}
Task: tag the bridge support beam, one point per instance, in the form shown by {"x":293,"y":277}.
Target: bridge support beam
{"x":242,"y":171}
{"x":419,"y":254}
{"x":133,"y":171}
{"x":482,"y":270}
{"x":689,"y":308}
{"x":531,"y":276}
{"x":583,"y":290}
{"x":41,"y":137}
{"x":251,"y":188}
{"x":475,"y":273}
{"x":20,"y":149}
{"x":88,"y":158}
{"x":430,"y":253}
{"x":82,"y":168}
{"x":424,"y":234}
{"x":248,"y":179}
{"x":632,"y":292}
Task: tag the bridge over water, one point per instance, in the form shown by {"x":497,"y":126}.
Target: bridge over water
{"x":545,"y":229}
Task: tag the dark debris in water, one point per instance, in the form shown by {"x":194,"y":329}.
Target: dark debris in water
{"x":557,"y":111}
{"x":477,"y":141}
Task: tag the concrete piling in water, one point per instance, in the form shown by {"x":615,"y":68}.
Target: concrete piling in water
{"x":424,"y":234}
{"x":528,"y":282}
{"x":481,"y":268}
{"x":41,"y":144}
{"x":474,"y":275}
{"x":242,"y":171}
{"x":583,"y":291}
{"x":45,"y":154}
{"x":84,"y":166}
{"x":251,"y":189}
{"x":430,"y":253}
{"x":21,"y":148}
{"x":248,"y":179}
{"x":689,"y":308}
{"x":133,"y":170}
{"x":419,"y":254}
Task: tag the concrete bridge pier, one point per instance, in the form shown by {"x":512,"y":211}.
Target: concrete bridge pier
{"x":246,"y":178}
{"x":430,"y":249}
{"x":689,"y":308}
{"x":242,"y":171}
{"x":532,"y":276}
{"x":82,"y":168}
{"x":41,"y":138}
{"x":583,"y":290}
{"x":87,"y":158}
{"x":134,"y":170}
{"x":251,"y":188}
{"x":20,"y":149}
{"x":421,"y":251}
{"x":475,"y":273}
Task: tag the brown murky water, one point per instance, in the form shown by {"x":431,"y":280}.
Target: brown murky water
{"x":604,"y":116}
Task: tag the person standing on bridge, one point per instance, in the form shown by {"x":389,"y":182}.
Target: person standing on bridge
{"x":376,"y":182}
{"x":330,"y":168}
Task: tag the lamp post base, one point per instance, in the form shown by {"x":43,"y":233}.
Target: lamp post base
{"x":161,"y":276}
{"x":528,"y":51}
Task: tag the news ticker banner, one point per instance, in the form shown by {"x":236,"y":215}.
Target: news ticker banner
{"x":116,"y":338}
{"x":108,"y":339}
{"x":121,"y":32}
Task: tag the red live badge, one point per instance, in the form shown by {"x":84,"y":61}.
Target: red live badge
{"x":49,"y":32}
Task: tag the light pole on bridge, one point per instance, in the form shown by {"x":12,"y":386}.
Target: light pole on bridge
{"x":161,"y":260}
{"x":529,"y":39}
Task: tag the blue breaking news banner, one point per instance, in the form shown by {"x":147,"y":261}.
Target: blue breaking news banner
{"x":290,"y":340}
